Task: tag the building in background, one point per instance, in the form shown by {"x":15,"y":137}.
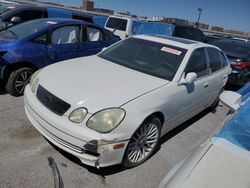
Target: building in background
{"x":216,"y":28}
{"x":90,"y":6}
{"x":234,"y":32}
{"x":175,"y":21}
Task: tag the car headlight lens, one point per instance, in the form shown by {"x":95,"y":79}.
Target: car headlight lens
{"x":78,"y":115}
{"x":34,"y":81}
{"x":106,"y":120}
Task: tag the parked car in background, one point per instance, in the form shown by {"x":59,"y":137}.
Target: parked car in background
{"x":35,"y":44}
{"x":238,"y":53}
{"x":222,"y":161}
{"x":13,"y":14}
{"x":120,"y":26}
{"x":126,"y":26}
{"x":113,"y":107}
{"x":189,"y":32}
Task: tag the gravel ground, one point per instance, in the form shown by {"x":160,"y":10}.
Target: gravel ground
{"x":24,"y":153}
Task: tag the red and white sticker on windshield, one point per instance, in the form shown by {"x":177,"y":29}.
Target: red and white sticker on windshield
{"x":171,"y":50}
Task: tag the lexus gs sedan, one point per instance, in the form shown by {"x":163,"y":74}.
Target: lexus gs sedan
{"x":113,"y":107}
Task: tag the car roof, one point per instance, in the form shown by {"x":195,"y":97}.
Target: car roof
{"x":231,"y":42}
{"x":175,"y":41}
{"x":51,"y":22}
{"x":63,"y":21}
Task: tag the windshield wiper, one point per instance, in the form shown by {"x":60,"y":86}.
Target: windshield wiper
{"x":14,"y":34}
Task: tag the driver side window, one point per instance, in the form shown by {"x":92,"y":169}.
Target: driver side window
{"x":198,"y":63}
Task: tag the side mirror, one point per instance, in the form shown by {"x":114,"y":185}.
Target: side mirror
{"x":104,"y":49}
{"x":190,"y":78}
{"x":231,"y":99}
{"x":15,"y":20}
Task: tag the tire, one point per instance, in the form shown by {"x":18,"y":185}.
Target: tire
{"x":17,"y":81}
{"x":140,"y":148}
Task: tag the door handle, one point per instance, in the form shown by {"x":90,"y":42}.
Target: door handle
{"x":224,"y":76}
{"x":206,"y":84}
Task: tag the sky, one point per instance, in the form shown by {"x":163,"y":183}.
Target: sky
{"x":230,"y":14}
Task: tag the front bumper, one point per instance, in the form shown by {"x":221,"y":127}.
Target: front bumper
{"x":91,"y":149}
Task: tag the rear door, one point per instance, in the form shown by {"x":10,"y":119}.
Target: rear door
{"x":219,"y":70}
{"x":65,"y":42}
{"x":93,"y":42}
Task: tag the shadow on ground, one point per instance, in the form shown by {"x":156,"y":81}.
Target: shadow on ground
{"x":2,"y":89}
{"x":106,"y":171}
{"x":232,"y":87}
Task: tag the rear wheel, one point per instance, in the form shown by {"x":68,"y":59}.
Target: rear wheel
{"x":143,"y":143}
{"x":17,"y":81}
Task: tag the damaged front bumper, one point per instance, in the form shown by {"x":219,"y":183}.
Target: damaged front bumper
{"x":96,"y":152}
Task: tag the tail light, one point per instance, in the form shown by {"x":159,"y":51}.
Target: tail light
{"x":240,"y":64}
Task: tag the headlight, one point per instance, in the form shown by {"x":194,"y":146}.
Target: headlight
{"x":78,"y":115}
{"x":106,"y":120}
{"x":34,"y":81}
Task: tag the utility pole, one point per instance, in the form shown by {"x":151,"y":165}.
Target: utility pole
{"x":200,"y":10}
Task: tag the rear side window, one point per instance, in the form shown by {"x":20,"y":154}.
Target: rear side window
{"x":214,"y":59}
{"x":117,"y":23}
{"x":197,"y":63}
{"x":94,"y":34}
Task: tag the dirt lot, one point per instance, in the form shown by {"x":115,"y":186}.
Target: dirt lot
{"x":24,"y":153}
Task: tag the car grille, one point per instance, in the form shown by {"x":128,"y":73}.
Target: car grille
{"x":52,"y":102}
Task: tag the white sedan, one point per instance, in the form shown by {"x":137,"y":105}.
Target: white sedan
{"x":113,"y":107}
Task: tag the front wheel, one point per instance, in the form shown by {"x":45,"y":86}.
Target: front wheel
{"x":143,"y":143}
{"x":17,"y":81}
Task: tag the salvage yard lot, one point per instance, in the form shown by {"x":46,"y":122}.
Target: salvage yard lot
{"x":24,"y":153}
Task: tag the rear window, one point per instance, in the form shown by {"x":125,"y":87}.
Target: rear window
{"x":234,"y":49}
{"x":117,"y":23}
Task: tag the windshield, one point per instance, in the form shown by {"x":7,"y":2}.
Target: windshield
{"x":236,"y":49}
{"x":153,"y":58}
{"x":23,"y":30}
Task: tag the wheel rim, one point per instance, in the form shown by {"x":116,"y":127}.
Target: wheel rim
{"x":142,"y":143}
{"x":22,"y":80}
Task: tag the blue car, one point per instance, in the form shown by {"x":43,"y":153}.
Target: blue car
{"x":35,"y":44}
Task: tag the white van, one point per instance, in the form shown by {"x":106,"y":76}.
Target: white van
{"x":120,"y":26}
{"x":127,"y":26}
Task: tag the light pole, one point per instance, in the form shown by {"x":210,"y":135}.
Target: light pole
{"x":200,"y":10}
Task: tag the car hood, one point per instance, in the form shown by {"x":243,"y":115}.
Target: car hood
{"x":95,"y":83}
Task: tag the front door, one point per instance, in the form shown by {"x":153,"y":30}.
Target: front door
{"x":190,"y":99}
